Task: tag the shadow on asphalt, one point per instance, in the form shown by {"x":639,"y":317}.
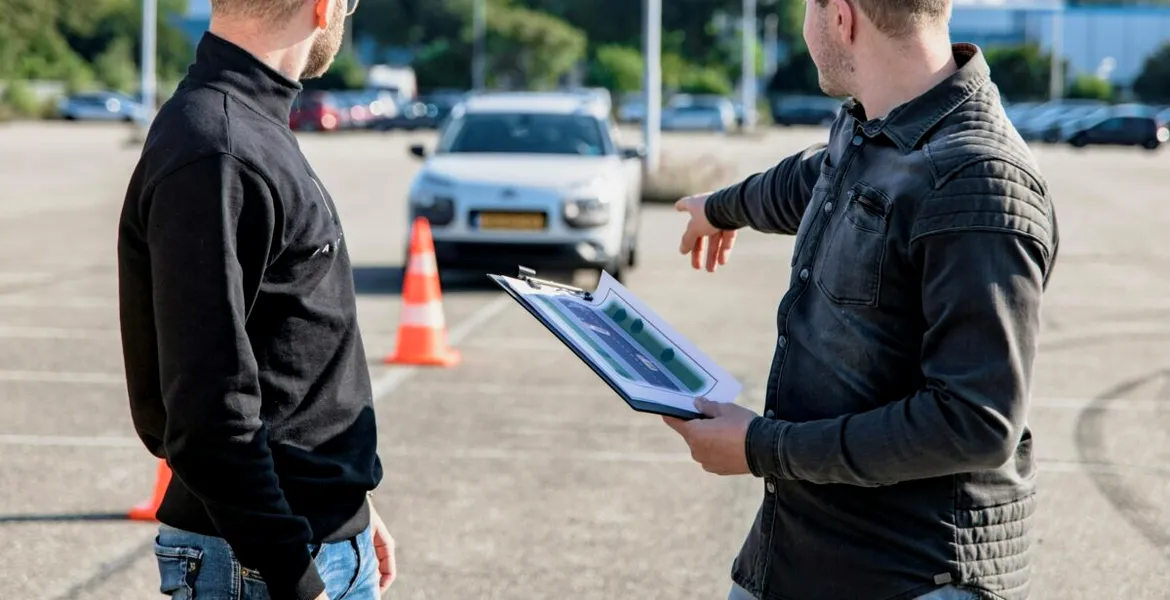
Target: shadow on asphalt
{"x":62,"y":517}
{"x":387,"y":281}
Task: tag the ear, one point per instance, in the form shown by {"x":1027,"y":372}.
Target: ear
{"x":844,"y":21}
{"x":321,"y":13}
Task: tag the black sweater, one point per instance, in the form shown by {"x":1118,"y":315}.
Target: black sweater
{"x":244,"y":363}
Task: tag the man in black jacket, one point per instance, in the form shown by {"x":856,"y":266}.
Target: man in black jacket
{"x":894,"y":449}
{"x":244,"y":362}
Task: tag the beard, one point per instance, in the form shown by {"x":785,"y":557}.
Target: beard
{"x":327,"y":44}
{"x":834,"y":66}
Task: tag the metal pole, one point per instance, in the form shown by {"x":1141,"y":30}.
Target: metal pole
{"x":479,"y":57}
{"x":149,"y":34}
{"x":748,"y":82}
{"x":771,"y":44}
{"x":652,"y":83}
{"x":1056,"y":79}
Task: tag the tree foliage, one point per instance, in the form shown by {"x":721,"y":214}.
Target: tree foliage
{"x":1153,"y":84}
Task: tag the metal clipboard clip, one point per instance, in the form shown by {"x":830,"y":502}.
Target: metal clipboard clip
{"x":528,"y":276}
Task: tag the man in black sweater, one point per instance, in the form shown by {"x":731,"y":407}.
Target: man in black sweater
{"x":244,"y":362}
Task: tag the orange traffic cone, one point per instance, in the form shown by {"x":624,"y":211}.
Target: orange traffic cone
{"x":145,"y":511}
{"x":422,"y":330}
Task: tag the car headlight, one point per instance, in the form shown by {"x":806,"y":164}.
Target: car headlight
{"x":588,"y":204}
{"x":433,"y":198}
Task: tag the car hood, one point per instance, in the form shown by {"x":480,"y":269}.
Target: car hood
{"x":537,"y":170}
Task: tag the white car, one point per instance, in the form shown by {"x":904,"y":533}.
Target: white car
{"x":699,"y":113}
{"x":533,"y":179}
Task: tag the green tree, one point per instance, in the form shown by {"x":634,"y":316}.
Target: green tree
{"x":1091,"y":87}
{"x":530,"y":49}
{"x":1153,"y":83}
{"x":705,"y":80}
{"x":617,"y":68}
{"x":1021,"y":72}
{"x":346,"y":73}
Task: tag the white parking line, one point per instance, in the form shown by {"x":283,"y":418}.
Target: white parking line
{"x":596,"y":456}
{"x":396,"y":376}
{"x":30,"y":301}
{"x":62,"y":377}
{"x":57,"y":333}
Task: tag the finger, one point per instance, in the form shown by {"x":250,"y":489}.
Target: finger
{"x":712,"y":252}
{"x":688,"y":240}
{"x":674,"y":423}
{"x":683,"y":205}
{"x":697,"y":254}
{"x":708,"y":408}
{"x":725,"y":246}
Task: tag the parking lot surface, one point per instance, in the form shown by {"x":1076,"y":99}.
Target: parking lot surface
{"x":518,"y":474}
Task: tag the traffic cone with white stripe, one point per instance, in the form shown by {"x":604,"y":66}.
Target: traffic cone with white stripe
{"x":422,"y":329}
{"x":145,"y":510}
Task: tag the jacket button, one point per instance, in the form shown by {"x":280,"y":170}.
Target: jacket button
{"x":828,"y":207}
{"x":858,"y":140}
{"x":769,"y":413}
{"x":782,"y":342}
{"x":804,"y":274}
{"x":771,"y":487}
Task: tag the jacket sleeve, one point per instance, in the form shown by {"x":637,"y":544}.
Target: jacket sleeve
{"x":772,"y":201}
{"x":984,"y":247}
{"x":210,"y":228}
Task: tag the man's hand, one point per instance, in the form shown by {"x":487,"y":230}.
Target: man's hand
{"x":717,"y":443}
{"x":384,"y":548}
{"x":718,"y":242}
{"x":323,"y":596}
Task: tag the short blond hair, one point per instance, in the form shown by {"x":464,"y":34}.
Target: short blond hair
{"x":900,"y":18}
{"x":269,"y":10}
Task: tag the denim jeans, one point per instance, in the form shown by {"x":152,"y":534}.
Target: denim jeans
{"x":199,"y":567}
{"x":949,"y":592}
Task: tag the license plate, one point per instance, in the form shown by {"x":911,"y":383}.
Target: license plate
{"x":525,"y":221}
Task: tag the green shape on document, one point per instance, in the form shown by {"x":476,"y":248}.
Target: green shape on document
{"x":667,"y":355}
{"x":620,"y":315}
{"x":637,"y":326}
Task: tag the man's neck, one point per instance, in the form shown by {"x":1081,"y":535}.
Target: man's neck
{"x":899,"y":73}
{"x":288,"y":57}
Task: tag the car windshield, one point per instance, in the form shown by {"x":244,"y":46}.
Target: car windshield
{"x":496,"y":133}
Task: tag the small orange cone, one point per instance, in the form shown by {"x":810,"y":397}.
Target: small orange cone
{"x":422,"y":330}
{"x":145,"y":511}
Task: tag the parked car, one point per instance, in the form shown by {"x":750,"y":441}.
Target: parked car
{"x":316,"y":111}
{"x":698,"y":113}
{"x":1123,"y":131}
{"x":531,"y":178}
{"x":632,"y":108}
{"x":805,"y":110}
{"x":101,"y":106}
{"x":1045,"y":123}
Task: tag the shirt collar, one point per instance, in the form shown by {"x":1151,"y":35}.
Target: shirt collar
{"x":909,"y":122}
{"x":236,"y":72}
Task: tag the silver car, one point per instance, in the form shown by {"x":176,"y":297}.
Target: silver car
{"x":101,"y":106}
{"x":537,"y":179}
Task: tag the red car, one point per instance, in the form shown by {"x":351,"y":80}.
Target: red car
{"x":315,"y":111}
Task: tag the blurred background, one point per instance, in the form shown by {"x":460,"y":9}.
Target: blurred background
{"x":526,"y":128}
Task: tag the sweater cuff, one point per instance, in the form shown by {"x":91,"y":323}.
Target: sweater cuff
{"x":762,"y":445}
{"x":288,"y":571}
{"x":713,"y":213}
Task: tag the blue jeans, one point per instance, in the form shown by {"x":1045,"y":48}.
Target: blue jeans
{"x":949,"y":592}
{"x":199,"y":567}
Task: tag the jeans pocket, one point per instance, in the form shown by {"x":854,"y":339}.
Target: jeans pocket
{"x":252,"y":586}
{"x":178,"y":566}
{"x":851,"y":270}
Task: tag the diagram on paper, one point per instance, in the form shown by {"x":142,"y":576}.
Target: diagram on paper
{"x":631,"y":347}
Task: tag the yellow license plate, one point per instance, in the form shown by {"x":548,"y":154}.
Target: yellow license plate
{"x":527,"y":221}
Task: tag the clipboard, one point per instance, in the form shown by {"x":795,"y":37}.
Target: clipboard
{"x":648,"y":364}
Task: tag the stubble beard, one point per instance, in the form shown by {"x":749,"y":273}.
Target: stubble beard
{"x":834,"y":68}
{"x":327,"y":44}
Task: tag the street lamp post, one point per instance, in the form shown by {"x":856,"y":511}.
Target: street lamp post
{"x":149,"y":35}
{"x":748,"y":76}
{"x":652,"y":82}
{"x":478,"y":75}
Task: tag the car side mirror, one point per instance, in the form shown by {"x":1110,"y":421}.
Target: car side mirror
{"x":632,"y":152}
{"x":419,"y":150}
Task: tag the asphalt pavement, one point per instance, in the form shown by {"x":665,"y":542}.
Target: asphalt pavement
{"x":517,"y":474}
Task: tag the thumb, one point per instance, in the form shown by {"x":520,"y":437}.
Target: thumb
{"x":684,"y":204}
{"x":708,"y":408}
